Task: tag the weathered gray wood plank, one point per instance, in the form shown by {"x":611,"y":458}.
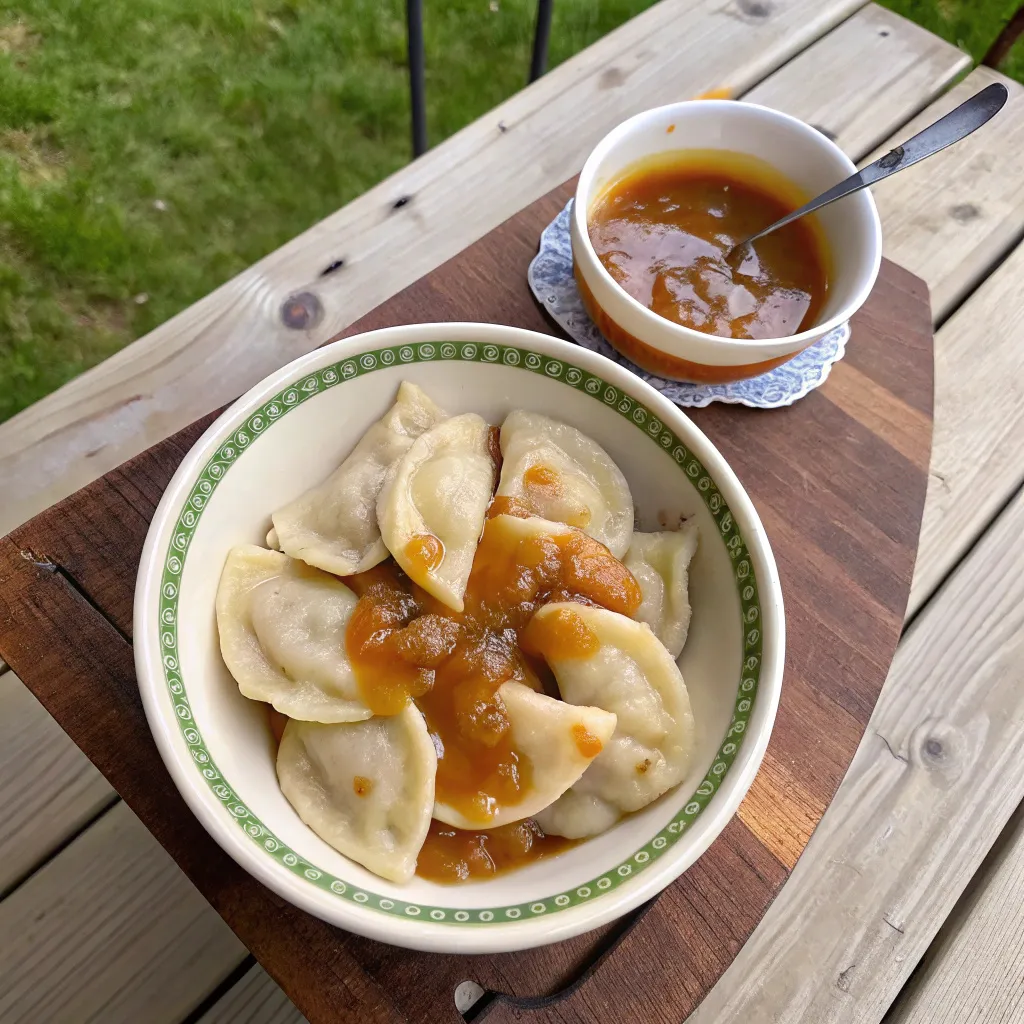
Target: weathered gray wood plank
{"x":864,"y":80}
{"x":974,"y":970}
{"x":110,"y":930}
{"x":231,"y":339}
{"x":48,"y":788}
{"x":977,"y":458}
{"x":952,"y":217}
{"x":255,"y":999}
{"x":908,"y":827}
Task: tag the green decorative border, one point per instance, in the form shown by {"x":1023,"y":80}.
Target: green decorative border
{"x":631,"y":410}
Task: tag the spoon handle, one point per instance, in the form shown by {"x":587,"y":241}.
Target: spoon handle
{"x":956,"y":125}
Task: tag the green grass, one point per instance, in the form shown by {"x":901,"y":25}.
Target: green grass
{"x":971,"y":24}
{"x":150,"y":149}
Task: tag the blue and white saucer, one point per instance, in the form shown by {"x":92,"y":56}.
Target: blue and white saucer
{"x":550,"y":276}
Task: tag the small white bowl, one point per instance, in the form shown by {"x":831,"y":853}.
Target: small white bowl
{"x":288,"y":433}
{"x":801,"y":155}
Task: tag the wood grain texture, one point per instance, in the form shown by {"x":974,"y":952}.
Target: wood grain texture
{"x":136,"y":940}
{"x":48,"y":788}
{"x":864,"y":80}
{"x":226,"y":342}
{"x":256,"y":999}
{"x":977,"y":459}
{"x":852,"y":529}
{"x":854,"y":83}
{"x":979,"y":395}
{"x":48,"y":623}
{"x":952,"y":217}
{"x":907,"y":829}
{"x":973,"y":970}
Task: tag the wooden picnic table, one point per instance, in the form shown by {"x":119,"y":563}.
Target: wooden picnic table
{"x":98,"y":922}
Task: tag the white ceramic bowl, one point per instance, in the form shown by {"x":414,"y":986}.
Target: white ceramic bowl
{"x":286,"y":434}
{"x":803,"y":156}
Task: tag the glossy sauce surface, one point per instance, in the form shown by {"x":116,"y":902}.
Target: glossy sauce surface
{"x":662,"y":230}
{"x":404,"y":644}
{"x":457,"y":855}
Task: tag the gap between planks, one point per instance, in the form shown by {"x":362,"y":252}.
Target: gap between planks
{"x":973,"y":969}
{"x":907,"y":829}
{"x":110,"y":907}
{"x":48,"y":789}
{"x":255,"y":999}
{"x":228,"y":341}
{"x":766,"y":93}
{"x":903,"y":94}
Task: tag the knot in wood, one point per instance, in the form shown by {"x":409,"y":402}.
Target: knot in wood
{"x":301,"y":311}
{"x":964,"y":212}
{"x":755,"y":8}
{"x":611,"y":78}
{"x":942,"y":750}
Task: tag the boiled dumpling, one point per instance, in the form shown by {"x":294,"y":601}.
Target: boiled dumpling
{"x":334,"y":525}
{"x":618,"y":664}
{"x":559,"y":473}
{"x":282,"y":635}
{"x":559,"y":740}
{"x":432,"y":506}
{"x":366,"y":788}
{"x":661,"y":564}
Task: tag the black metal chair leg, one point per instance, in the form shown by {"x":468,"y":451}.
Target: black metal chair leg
{"x":417,"y":82}
{"x":541,"y":34}
{"x":417,"y":63}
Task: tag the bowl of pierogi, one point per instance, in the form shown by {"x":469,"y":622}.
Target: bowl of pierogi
{"x":459,"y":636}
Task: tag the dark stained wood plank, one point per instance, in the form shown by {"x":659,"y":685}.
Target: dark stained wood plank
{"x":839,"y":480}
{"x":48,"y":627}
{"x":692,"y":923}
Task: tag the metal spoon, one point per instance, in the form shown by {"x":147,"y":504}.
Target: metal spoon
{"x":956,"y":125}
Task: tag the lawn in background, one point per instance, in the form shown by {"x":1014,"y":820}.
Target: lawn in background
{"x":151,"y":149}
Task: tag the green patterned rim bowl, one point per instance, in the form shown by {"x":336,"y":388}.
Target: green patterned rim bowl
{"x":287,"y":433}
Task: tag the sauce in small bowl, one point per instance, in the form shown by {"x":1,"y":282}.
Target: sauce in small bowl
{"x":662,"y":230}
{"x":665,"y":194}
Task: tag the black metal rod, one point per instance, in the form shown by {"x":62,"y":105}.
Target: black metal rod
{"x":417,"y":80}
{"x":539,"y":63}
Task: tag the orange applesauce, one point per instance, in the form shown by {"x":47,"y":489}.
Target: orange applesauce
{"x":404,"y":644}
{"x":456,"y":855}
{"x":662,"y":229}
